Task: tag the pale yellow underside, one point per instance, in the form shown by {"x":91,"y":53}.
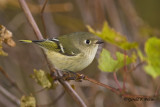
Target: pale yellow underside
{"x":71,"y":63}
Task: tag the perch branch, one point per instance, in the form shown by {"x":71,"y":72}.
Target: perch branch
{"x":123,"y":94}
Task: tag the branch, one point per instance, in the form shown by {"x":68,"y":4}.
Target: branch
{"x":9,"y":95}
{"x":30,"y":19}
{"x":101,"y":84}
{"x":11,"y":81}
{"x":42,"y":17}
{"x":39,"y":36}
{"x":71,"y":91}
{"x":124,"y":94}
{"x":116,"y":81}
{"x":125,"y":70}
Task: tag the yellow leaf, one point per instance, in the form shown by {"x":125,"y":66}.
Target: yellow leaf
{"x":42,"y":78}
{"x":5,"y":37}
{"x":28,"y":101}
{"x":110,"y":35}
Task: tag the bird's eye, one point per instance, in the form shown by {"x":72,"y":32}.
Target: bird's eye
{"x":87,"y":42}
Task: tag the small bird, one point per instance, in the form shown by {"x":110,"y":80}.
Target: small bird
{"x":70,"y":52}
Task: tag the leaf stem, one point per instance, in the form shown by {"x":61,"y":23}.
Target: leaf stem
{"x":116,"y":81}
{"x":125,"y":70}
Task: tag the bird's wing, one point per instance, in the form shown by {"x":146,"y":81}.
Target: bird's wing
{"x":48,"y":44}
{"x":67,"y":45}
{"x":55,"y":45}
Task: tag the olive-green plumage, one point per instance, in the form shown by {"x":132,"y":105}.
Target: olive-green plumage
{"x":72,"y":52}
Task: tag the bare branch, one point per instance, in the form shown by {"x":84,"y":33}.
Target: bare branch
{"x":117,"y":82}
{"x":9,"y":95}
{"x":42,"y":17}
{"x":30,"y":19}
{"x":71,"y":91}
{"x":157,"y":91}
{"x":103,"y":85}
{"x":122,"y":94}
{"x":125,"y":71}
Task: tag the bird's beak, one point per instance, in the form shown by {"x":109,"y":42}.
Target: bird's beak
{"x":99,"y":42}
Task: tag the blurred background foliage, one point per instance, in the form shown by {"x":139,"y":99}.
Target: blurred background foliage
{"x":136,"y":19}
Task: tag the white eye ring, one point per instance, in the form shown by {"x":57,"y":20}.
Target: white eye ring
{"x":87,"y":41}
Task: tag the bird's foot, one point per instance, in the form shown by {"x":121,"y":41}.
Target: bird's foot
{"x":69,"y":75}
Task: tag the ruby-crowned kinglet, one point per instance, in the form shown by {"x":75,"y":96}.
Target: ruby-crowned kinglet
{"x":71,"y":52}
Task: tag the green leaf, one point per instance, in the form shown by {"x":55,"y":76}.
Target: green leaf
{"x":42,"y":78}
{"x":152,"y":49}
{"x":108,"y":64}
{"x":110,"y":35}
{"x":28,"y":101}
{"x":151,"y":70}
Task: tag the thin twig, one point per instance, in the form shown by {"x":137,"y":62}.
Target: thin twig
{"x":65,"y":84}
{"x":125,"y":70}
{"x":9,"y":95}
{"x":44,"y":5}
{"x":42,"y":17}
{"x":30,"y":19}
{"x":123,"y":94}
{"x":11,"y":81}
{"x":103,"y":85}
{"x":70,"y":90}
{"x":157,"y":91}
{"x":116,"y":81}
{"x":138,"y":65}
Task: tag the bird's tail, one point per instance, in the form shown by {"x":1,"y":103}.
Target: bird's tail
{"x":26,"y":41}
{"x":45,"y":44}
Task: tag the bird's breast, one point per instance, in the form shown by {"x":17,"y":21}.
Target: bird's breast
{"x":70,"y":63}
